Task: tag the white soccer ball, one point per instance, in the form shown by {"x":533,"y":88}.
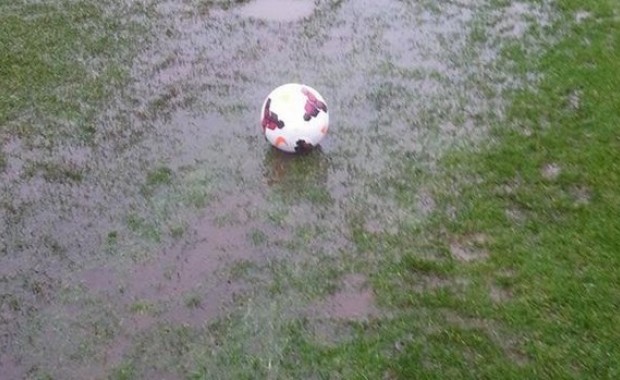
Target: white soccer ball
{"x":294,"y":118}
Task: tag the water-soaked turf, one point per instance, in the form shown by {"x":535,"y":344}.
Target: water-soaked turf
{"x":174,"y":216}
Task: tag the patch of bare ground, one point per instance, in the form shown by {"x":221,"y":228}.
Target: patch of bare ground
{"x":212,"y":246}
{"x":354,"y":301}
{"x":425,"y":202}
{"x":470,"y":248}
{"x":574,"y":99}
{"x":427,"y":283}
{"x":500,"y":289}
{"x":510,"y":343}
{"x":499,"y":294}
{"x":187,"y":284}
{"x":581,"y":195}
{"x":162,"y":375}
{"x":330,"y":332}
{"x":582,"y":15}
{"x":551,"y":171}
{"x":515,"y":214}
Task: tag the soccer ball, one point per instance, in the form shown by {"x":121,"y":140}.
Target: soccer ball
{"x":294,"y":118}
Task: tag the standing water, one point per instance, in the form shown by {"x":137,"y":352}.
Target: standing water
{"x":277,"y":10}
{"x":177,"y":239}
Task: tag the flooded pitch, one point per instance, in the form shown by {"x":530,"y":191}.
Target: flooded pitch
{"x":177,"y":216}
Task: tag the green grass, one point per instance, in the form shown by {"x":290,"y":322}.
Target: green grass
{"x":542,"y":202}
{"x":159,"y":176}
{"x":55,"y":66}
{"x":2,"y":161}
{"x":143,"y":228}
{"x":52,"y":172}
{"x":143,"y":307}
{"x":125,"y":371}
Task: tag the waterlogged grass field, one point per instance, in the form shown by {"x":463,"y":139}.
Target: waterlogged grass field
{"x":459,"y":221}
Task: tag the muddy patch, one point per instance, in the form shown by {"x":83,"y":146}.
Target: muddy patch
{"x":500,"y":294}
{"x":354,"y":301}
{"x":582,"y":15}
{"x":551,"y":171}
{"x":581,"y":195}
{"x":515,"y":215}
{"x":429,"y":283}
{"x":188,"y":281}
{"x":470,"y":248}
{"x":511,"y":345}
{"x":330,"y":332}
{"x":574,"y":100}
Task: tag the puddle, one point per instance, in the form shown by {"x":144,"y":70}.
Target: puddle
{"x":190,"y":274}
{"x":277,"y":10}
{"x":10,"y":368}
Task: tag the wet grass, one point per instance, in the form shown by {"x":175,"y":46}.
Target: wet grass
{"x":500,"y":263}
{"x":160,"y":176}
{"x":126,"y":371}
{"x":514,"y":276}
{"x":302,"y":177}
{"x":193,"y":301}
{"x":49,"y":71}
{"x":52,"y":172}
{"x":2,"y":161}
{"x":142,"y":307}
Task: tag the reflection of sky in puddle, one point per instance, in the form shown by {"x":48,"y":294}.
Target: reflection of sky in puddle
{"x":277,"y":10}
